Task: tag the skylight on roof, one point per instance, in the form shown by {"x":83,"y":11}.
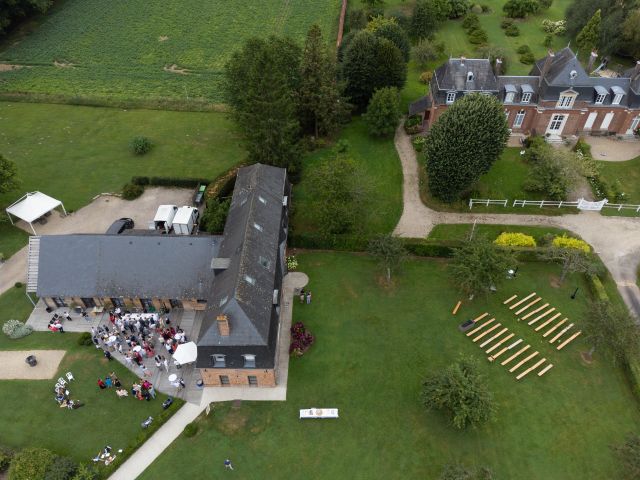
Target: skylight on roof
{"x":262,"y":199}
{"x":223,"y":301}
{"x":250,"y":280}
{"x":257,"y":227}
{"x":264,"y":262}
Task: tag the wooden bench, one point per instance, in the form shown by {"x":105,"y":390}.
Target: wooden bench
{"x":541,"y":316}
{"x":538,"y":363}
{"x":563,"y":344}
{"x":517,"y":304}
{"x":523,"y":349}
{"x":546,"y":322}
{"x":522,"y":362}
{"x":552,"y":329}
{"x":545,"y":369}
{"x":505,"y":339}
{"x":534,"y":312}
{"x":556,"y":337}
{"x":479,"y":327}
{"x":487,"y":342}
{"x":493,"y":357}
{"x":486,"y":332}
{"x":528,"y":305}
{"x":510,"y":299}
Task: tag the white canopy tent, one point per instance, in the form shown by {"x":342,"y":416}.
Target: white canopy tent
{"x":32,"y":206}
{"x":186,"y":353}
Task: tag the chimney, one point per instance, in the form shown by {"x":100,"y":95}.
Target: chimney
{"x":546,"y":66}
{"x":223,"y":325}
{"x":498,"y":67}
{"x":636,"y":71}
{"x":592,"y":60}
{"x":462,"y":59}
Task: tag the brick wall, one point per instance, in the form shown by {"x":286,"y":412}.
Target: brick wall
{"x":238,"y":376}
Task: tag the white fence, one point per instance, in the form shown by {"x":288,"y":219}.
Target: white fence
{"x":622,"y":206}
{"x":486,"y":202}
{"x":543,"y":203}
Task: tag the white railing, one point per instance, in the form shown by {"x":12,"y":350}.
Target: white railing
{"x":622,"y":206}
{"x":543,"y":203}
{"x":486,"y":202}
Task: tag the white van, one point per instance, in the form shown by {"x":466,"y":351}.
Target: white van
{"x":164,"y":218}
{"x":185,"y":220}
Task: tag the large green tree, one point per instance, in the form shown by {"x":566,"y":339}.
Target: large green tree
{"x":12,"y":10}
{"x":389,"y":250}
{"x":572,"y":260}
{"x":480,"y":266}
{"x":8,"y":175}
{"x":610,"y":328}
{"x":631,"y":34}
{"x":389,"y":29}
{"x":261,"y":84}
{"x":370,"y":63}
{"x":629,"y":455}
{"x":613,"y":16}
{"x":425,"y":19}
{"x":461,"y":392}
{"x":321,"y":105}
{"x":383,"y":112}
{"x":463,"y":144}
{"x":589,"y":37}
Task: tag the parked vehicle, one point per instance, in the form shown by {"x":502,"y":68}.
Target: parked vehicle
{"x":198,"y":198}
{"x":120,"y":226}
{"x":185,"y":221}
{"x":164,"y":218}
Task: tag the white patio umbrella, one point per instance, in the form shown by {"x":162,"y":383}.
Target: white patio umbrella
{"x":186,"y":353}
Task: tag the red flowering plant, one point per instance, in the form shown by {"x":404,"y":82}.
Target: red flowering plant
{"x":301,"y":340}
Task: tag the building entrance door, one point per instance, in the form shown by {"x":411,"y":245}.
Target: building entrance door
{"x":556,"y":124}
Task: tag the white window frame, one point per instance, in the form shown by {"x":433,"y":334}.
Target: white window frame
{"x":219,"y":360}
{"x":249,"y":360}
{"x":600,"y":98}
{"x":557,"y":119}
{"x":566,"y":100}
{"x":451,"y":97}
{"x":519,"y":120}
{"x":526,"y":97}
{"x":617,"y":98}
{"x":509,"y":97}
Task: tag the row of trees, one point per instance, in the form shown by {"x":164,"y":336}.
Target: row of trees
{"x":14,"y":10}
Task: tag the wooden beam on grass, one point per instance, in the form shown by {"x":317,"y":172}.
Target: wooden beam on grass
{"x":528,"y":305}
{"x":485,"y":332}
{"x":541,"y":316}
{"x":480,"y":327}
{"x":523,"y":349}
{"x":475,"y":320}
{"x":556,"y":337}
{"x":546,"y":322}
{"x":563,"y":344}
{"x":505,"y":339}
{"x":517,"y":304}
{"x":545,"y":369}
{"x":538,"y":363}
{"x":493,"y":357}
{"x":522,"y":362}
{"x":487,"y":342}
{"x":552,"y":329}
{"x":510,"y":299}
{"x":533,"y":312}
{"x":455,"y":309}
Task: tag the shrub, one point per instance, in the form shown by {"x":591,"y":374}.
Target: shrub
{"x":485,"y":8}
{"x":15,"y":329}
{"x":506,"y":23}
{"x":554,"y":28}
{"x":85,"y":339}
{"x":292,"y":263}
{"x":477,"y":9}
{"x":179,"y":182}
{"x":427,"y":51}
{"x":62,"y":468}
{"x":6,"y":455}
{"x":523,"y":49}
{"x":140,"y":145}
{"x":597,"y":288}
{"x":570,"y":242}
{"x":191,"y":429}
{"x":520,"y":8}
{"x":512,"y":31}
{"x":507,"y":239}
{"x":301,"y":340}
{"x":31,"y":464}
{"x":18,"y":285}
{"x":545,"y":4}
{"x":583,"y":147}
{"x":471,"y":22}
{"x":548,"y":40}
{"x":478,"y":37}
{"x":457,"y":8}
{"x":215,"y":215}
{"x":383,"y":112}
{"x":131,"y":191}
{"x":140,"y":181}
{"x":418,"y":143}
{"x":413,"y":124}
{"x":425,"y":77}
{"x":527,"y":58}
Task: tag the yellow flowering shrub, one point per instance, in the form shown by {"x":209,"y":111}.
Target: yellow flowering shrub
{"x":570,"y":242}
{"x":507,"y":239}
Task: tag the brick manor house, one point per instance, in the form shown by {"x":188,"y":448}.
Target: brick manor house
{"x":558,"y":98}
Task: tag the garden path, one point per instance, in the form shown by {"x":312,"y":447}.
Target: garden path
{"x":615,"y":239}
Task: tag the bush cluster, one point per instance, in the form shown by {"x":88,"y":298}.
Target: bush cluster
{"x":512,"y":31}
{"x":425,"y":77}
{"x":526,"y":55}
{"x":521,"y":8}
{"x":301,"y":339}
{"x":508,"y":239}
{"x":15,"y":329}
{"x":413,"y":124}
{"x":597,"y":288}
{"x":215,"y":215}
{"x":554,"y":28}
{"x":131,"y":191}
{"x":570,"y":242}
{"x":140,"y":145}
{"x":292,"y":263}
{"x":85,"y":339}
{"x":475,"y":33}
{"x":191,"y":429}
{"x":418,"y":143}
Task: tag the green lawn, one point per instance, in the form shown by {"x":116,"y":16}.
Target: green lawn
{"x":382,"y":172}
{"x":462,"y":231}
{"x":119,"y":50}
{"x":627,"y":174}
{"x":374,"y":346}
{"x":30,"y":415}
{"x":73,"y":153}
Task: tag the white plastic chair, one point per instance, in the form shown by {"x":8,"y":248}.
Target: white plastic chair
{"x":62,"y":381}
{"x":70,"y":376}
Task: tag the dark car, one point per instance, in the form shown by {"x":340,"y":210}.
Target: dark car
{"x":120,"y":226}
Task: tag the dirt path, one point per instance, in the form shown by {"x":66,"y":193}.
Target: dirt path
{"x":615,"y":239}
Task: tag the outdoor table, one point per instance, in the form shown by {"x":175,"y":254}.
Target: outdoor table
{"x":173,"y":377}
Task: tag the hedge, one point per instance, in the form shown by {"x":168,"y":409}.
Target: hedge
{"x":170,"y":181}
{"x":633,"y":372}
{"x":597,"y":288}
{"x":224,"y":184}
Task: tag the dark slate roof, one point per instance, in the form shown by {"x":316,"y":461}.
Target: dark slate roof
{"x":129,"y":266}
{"x":453,"y":75}
{"x":254,"y":243}
{"x":530,"y":84}
{"x":559,"y":73}
{"x":421,"y":105}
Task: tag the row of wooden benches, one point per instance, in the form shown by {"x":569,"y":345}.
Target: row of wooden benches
{"x":541,"y":316}
{"x":501,"y":341}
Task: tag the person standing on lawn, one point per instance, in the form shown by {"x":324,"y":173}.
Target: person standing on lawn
{"x":227,"y":464}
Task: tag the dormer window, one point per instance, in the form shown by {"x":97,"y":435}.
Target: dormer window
{"x":257,"y":227}
{"x":249,"y":361}
{"x":508,"y":98}
{"x":451,"y":97}
{"x":526,"y":97}
{"x":469,"y":76}
{"x":250,"y":280}
{"x":566,"y":100}
{"x":601,"y":94}
{"x":262,"y":200}
{"x":618,"y":93}
{"x":218,"y":361}
{"x":600,"y":99}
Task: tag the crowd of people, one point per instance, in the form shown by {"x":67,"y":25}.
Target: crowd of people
{"x":63,"y":397}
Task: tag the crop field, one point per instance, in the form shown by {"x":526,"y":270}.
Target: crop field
{"x":154,"y":50}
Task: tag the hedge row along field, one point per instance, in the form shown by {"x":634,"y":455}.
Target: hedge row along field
{"x":153,"y":50}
